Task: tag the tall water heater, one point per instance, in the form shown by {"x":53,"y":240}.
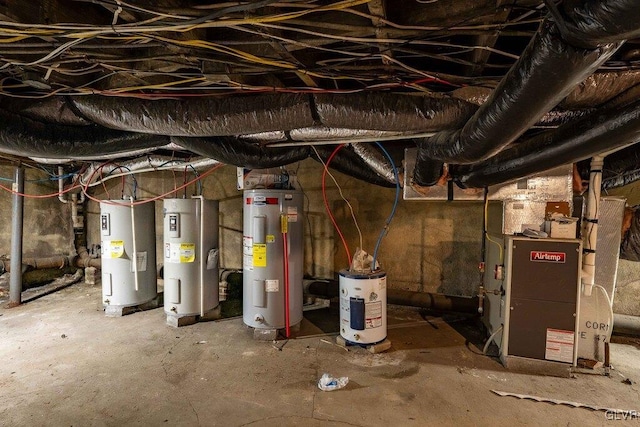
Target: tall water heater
{"x":272,"y":222}
{"x":128,"y":254}
{"x":190,"y":258}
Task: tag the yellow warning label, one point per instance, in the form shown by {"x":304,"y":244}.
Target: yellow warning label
{"x":187,"y":252}
{"x":271,"y":238}
{"x":284,"y":225}
{"x":259,"y":255}
{"x":117,"y":248}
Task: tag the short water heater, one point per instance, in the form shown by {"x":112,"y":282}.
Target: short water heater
{"x":273,"y":221}
{"x":190,"y":256}
{"x":128,"y":253}
{"x":363,"y":306}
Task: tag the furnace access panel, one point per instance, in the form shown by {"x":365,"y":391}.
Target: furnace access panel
{"x":542,"y":297}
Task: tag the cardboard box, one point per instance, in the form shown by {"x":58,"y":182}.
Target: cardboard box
{"x":561,"y":208}
{"x":560,"y":229}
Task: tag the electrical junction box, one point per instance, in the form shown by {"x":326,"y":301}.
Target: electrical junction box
{"x":537,"y":303}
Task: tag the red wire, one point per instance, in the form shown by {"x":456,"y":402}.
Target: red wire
{"x":326,"y":202}
{"x":140,"y":202}
{"x":39,"y":196}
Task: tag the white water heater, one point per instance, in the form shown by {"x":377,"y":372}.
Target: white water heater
{"x":273,"y":222}
{"x":363,"y":306}
{"x":190,"y":256}
{"x":128,"y":253}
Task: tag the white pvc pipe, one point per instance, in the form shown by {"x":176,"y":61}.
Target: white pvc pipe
{"x":135,"y":250}
{"x":61,"y":185}
{"x":590,"y":228}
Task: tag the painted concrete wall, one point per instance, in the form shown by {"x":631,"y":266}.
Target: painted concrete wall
{"x":47,"y":226}
{"x":429,"y":247}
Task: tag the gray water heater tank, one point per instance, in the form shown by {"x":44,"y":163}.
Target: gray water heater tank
{"x":190,"y":256}
{"x":265,"y":214}
{"x":128,"y":253}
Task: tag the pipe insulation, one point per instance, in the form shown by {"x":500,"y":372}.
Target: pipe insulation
{"x":546,"y":72}
{"x":597,"y":133}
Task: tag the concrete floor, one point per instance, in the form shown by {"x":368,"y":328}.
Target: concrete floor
{"x":63,"y":363}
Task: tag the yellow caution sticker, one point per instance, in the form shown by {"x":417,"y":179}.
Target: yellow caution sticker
{"x":271,"y":238}
{"x":259,"y":255}
{"x":187,"y":252}
{"x":116,"y":248}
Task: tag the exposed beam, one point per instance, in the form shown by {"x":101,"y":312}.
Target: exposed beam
{"x":377,"y":11}
{"x":480,"y":56}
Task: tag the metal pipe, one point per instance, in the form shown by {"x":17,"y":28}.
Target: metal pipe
{"x":17,"y":217}
{"x":439,"y":302}
{"x":626,"y":325}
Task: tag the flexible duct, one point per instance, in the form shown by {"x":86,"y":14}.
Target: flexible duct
{"x":241,"y":153}
{"x":594,"y":134}
{"x":620,"y":168}
{"x":591,"y":23}
{"x":350,"y":163}
{"x":375,"y":160}
{"x":391,"y":112}
{"x":49,"y":110}
{"x":21,"y":136}
{"x":545,"y":73}
{"x":220,"y":116}
{"x":227,"y":116}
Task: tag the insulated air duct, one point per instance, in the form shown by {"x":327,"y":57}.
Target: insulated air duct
{"x":229,"y":116}
{"x":545,"y":73}
{"x":21,"y":136}
{"x":557,"y":58}
{"x":241,"y":153}
{"x":595,"y":134}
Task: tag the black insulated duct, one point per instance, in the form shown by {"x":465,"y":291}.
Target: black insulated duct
{"x":220,"y":116}
{"x":546,"y":72}
{"x":241,"y":115}
{"x":391,"y":112}
{"x":620,"y":168}
{"x":348,"y":162}
{"x":21,"y":136}
{"x":591,"y":23}
{"x":241,"y":153}
{"x":570,"y":143}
